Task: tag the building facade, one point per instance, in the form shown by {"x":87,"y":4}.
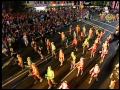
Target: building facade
{"x":48,"y":3}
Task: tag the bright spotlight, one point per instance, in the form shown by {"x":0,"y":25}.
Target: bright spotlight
{"x":40,"y":8}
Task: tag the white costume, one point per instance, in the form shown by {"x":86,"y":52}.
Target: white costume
{"x":25,"y":40}
{"x":63,"y":86}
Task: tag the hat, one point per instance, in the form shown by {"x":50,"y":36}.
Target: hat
{"x":28,"y":58}
{"x":65,"y":81}
{"x":96,"y":64}
{"x":49,"y":67}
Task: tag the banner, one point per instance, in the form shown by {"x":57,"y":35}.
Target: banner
{"x":113,"y":4}
{"x":117,"y":5}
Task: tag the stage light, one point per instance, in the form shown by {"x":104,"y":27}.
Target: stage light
{"x":40,"y":8}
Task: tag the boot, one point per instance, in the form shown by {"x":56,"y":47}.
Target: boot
{"x":77,"y":74}
{"x":81,"y":73}
{"x":35,"y":82}
{"x":90,"y":80}
{"x":49,"y":87}
{"x":41,"y":80}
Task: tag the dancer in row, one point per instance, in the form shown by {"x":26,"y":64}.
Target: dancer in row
{"x":80,"y":66}
{"x":94,"y":73}
{"x":61,"y":57}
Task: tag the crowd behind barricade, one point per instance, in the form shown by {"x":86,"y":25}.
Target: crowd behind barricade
{"x":109,"y":17}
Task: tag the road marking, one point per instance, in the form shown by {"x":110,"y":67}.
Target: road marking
{"x":4,"y":65}
{"x":68,"y":74}
{"x":14,"y":78}
{"x":103,"y":23}
{"x":90,"y":23}
{"x":40,"y":62}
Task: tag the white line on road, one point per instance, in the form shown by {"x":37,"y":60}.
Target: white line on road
{"x":68,"y":74}
{"x":14,"y":78}
{"x":7,"y":63}
{"x":103,"y":23}
{"x":90,"y":23}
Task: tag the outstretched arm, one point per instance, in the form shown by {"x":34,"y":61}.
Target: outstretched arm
{"x":91,"y":70}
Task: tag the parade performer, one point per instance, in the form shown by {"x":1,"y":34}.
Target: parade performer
{"x":80,"y":66}
{"x":117,"y":17}
{"x":36,"y":73}
{"x":104,"y":51}
{"x":74,"y":35}
{"x":73,"y":60}
{"x":25,"y":38}
{"x":93,"y":50}
{"x":29,"y":65}
{"x":85,"y":44}
{"x":101,"y":35}
{"x":74,"y":43}
{"x":109,"y":38}
{"x":112,"y":84}
{"x":94,"y":72}
{"x":97,"y":42}
{"x":50,"y":77}
{"x":29,"y":62}
{"x":84,"y":30}
{"x":61,"y":57}
{"x":20,"y":61}
{"x":77,"y":30}
{"x":62,"y":37}
{"x":82,"y":35}
{"x":90,"y":33}
{"x":97,"y":32}
{"x":53,"y":48}
{"x":48,"y":43}
{"x":64,"y":85}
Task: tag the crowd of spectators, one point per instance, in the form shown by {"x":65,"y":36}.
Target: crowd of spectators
{"x":33,"y":24}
